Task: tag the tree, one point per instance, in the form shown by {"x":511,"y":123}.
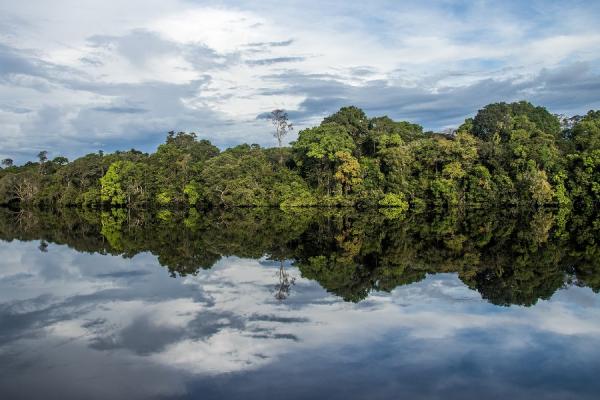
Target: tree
{"x":279,"y":119}
{"x":124,"y":183}
{"x":316,"y":150}
{"x":353,"y":119}
{"x":385,"y":132}
{"x":43,"y":157}
{"x":60,"y":160}
{"x":498,"y":119}
{"x":7,"y":162}
{"x":176,"y":163}
{"x":111,"y":188}
{"x":586,"y":133}
{"x":21,"y":187}
{"x":347,"y":172}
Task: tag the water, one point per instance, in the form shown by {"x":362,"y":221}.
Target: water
{"x":267,"y":305}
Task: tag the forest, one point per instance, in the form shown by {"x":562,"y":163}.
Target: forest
{"x":507,"y":155}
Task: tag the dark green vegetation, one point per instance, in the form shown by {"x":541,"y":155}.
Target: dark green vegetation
{"x":510,"y":256}
{"x":507,"y":155}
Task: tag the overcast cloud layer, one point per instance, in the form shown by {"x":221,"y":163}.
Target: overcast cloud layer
{"x":76,"y":77}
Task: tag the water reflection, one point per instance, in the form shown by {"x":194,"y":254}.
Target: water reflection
{"x":271,"y":304}
{"x":285,"y":283}
{"x":510,"y":257}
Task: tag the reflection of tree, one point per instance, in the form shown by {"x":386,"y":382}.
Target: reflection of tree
{"x":509,"y":256}
{"x":285,"y":283}
{"x":518,"y":286}
{"x":43,"y":246}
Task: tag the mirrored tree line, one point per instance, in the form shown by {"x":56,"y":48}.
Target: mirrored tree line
{"x":510,"y":256}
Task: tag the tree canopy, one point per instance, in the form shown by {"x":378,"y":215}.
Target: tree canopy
{"x":508,"y":154}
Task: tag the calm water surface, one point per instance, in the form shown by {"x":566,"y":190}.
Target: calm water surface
{"x":78,"y":324}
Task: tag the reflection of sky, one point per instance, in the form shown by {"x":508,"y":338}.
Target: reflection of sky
{"x":92,"y":326}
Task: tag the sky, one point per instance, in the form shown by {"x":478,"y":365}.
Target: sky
{"x":78,"y":76}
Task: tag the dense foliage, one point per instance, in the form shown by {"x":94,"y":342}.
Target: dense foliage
{"x":508,"y":154}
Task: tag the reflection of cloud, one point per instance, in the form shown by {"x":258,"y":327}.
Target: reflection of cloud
{"x":127,"y":317}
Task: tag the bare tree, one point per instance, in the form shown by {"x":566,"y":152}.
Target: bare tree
{"x":43,"y":157}
{"x":7,"y":162}
{"x":25,"y":189}
{"x":279,"y":119}
{"x":285,"y":283}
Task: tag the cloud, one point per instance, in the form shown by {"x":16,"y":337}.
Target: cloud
{"x":282,"y":43}
{"x":121,"y":110}
{"x":274,"y":60}
{"x":212,"y":67}
{"x":568,"y":88}
{"x":11,"y":62}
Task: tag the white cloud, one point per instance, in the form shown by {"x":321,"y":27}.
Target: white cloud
{"x":75,"y":57}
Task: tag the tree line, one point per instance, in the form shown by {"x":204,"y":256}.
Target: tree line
{"x":507,"y":154}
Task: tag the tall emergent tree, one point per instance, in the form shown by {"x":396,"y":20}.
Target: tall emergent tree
{"x":7,"y":162}
{"x":43,"y":157}
{"x":279,"y":119}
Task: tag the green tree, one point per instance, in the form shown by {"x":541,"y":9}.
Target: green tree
{"x":60,"y":160}
{"x":586,"y":133}
{"x":124,"y":183}
{"x":355,"y":122}
{"x":316,"y":150}
{"x":498,"y":118}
